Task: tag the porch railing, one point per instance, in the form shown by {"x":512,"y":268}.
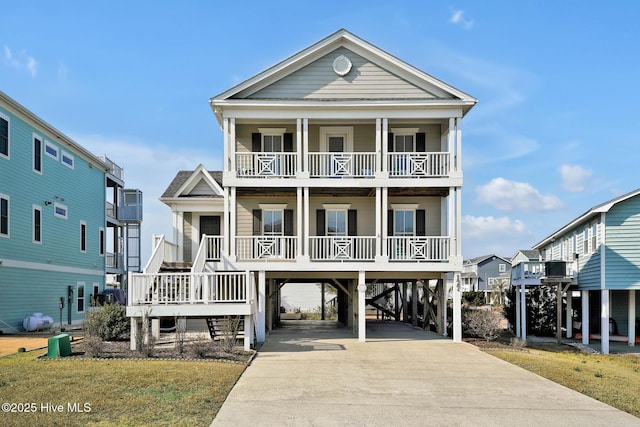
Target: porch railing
{"x":162,"y":251}
{"x":260,"y":165}
{"x":356,"y":165}
{"x":410,"y":248}
{"x":343,"y":248}
{"x":418,"y":164}
{"x":190,"y":288}
{"x":112,"y":260}
{"x":266,"y":248}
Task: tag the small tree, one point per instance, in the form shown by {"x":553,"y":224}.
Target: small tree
{"x":499,"y":288}
{"x":228,"y":333}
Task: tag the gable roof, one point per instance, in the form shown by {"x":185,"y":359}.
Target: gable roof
{"x":254,"y":90}
{"x":478,"y":260}
{"x":587,"y":216}
{"x":185,"y":182}
{"x":529,"y":253}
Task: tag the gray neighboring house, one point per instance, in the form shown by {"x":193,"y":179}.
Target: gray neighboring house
{"x":479,"y":274}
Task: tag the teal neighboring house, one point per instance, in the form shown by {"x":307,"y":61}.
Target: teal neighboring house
{"x":599,"y":258}
{"x":55,"y":231}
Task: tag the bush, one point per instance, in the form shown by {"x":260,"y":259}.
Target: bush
{"x":481,"y":323}
{"x":108,"y":322}
{"x":473,"y":298}
{"x":93,"y":346}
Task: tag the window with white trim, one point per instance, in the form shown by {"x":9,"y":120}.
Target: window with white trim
{"x":37,"y":154}
{"x":594,"y":236}
{"x":37,"y":224}
{"x":60,"y":210}
{"x":4,"y":215}
{"x":404,"y":222}
{"x":51,"y":150}
{"x":4,"y":136}
{"x":80,"y":299}
{"x":101,"y":241}
{"x":502,"y":268}
{"x":83,"y":236}
{"x":336,"y":220}
{"x":272,"y":221}
{"x":336,"y":139}
{"x":67,"y":159}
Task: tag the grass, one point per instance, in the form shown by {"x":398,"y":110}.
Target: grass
{"x":612,"y":379}
{"x":115,"y":392}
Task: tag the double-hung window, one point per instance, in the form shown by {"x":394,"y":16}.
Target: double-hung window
{"x":80,"y":298}
{"x":4,"y":136}
{"x":4,"y":215}
{"x":336,"y":222}
{"x":272,"y":222}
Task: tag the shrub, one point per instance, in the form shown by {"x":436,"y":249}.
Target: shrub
{"x":201,"y":346}
{"x":108,"y":322}
{"x":473,"y":298}
{"x":93,"y":346}
{"x":229,"y":329}
{"x":481,"y":323}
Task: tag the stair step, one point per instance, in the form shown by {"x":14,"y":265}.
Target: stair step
{"x":176,"y":266}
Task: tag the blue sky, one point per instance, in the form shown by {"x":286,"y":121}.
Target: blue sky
{"x":553,"y":133}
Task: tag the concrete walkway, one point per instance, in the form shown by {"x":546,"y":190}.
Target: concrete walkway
{"x":401,"y":376}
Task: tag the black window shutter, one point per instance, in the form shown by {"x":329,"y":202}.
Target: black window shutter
{"x":320,"y":222}
{"x":421,"y":222}
{"x":256,"y":142}
{"x":390,"y":223}
{"x":390,"y":142}
{"x":287,"y":145}
{"x":421,"y":142}
{"x":257,"y":222}
{"x":288,"y":222}
{"x":352,"y":223}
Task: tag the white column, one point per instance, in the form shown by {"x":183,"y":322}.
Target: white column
{"x":443,"y":305}
{"x":299,"y":161}
{"x":569,"y":313}
{"x":518,"y":331}
{"x":385,"y":145}
{"x":305,"y":145}
{"x":385,"y":221}
{"x":362,"y":321}
{"x":155,"y":328}
{"x":451,"y":221}
{"x":632,"y":317}
{"x":585,"y":317}
{"x":457,"y":310}
{"x":226,"y":225}
{"x":232,"y":144}
{"x":178,"y":234}
{"x":226,"y":164}
{"x":299,"y":221}
{"x":232,"y":224}
{"x":306,"y":220}
{"x":604,"y":321}
{"x":134,"y":331}
{"x":451,"y":143}
{"x":458,"y":146}
{"x":248,"y":332}
{"x":523,"y":311}
{"x":378,"y":146}
{"x":458,"y":217}
{"x":260,"y":312}
{"x":379,"y":219}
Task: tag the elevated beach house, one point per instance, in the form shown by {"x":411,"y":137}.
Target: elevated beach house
{"x":64,"y":218}
{"x":596,"y":260}
{"x":342,"y":165}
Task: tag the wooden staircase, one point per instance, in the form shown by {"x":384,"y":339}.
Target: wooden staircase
{"x":220,"y":326}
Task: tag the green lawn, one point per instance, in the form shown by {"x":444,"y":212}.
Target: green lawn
{"x":612,"y":379}
{"x":113,"y":392}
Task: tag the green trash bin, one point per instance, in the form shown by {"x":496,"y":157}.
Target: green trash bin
{"x":59,"y":346}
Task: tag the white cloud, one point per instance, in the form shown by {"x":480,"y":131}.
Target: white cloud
{"x":150,"y":169}
{"x":508,"y":196}
{"x":485,"y":227}
{"x":501,"y":145}
{"x":459,"y":19}
{"x":483,"y":235}
{"x":574,"y":177}
{"x":20,"y":61}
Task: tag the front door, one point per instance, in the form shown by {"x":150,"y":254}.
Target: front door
{"x":210,"y":225}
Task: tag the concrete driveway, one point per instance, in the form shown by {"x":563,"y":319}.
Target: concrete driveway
{"x":402,"y":376}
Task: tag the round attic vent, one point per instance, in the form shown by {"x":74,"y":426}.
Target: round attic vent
{"x":341,"y":65}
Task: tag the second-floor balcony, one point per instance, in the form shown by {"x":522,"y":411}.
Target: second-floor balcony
{"x":532,"y":272}
{"x":344,"y":165}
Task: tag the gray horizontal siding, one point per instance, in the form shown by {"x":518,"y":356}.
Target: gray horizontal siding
{"x":365,"y":81}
